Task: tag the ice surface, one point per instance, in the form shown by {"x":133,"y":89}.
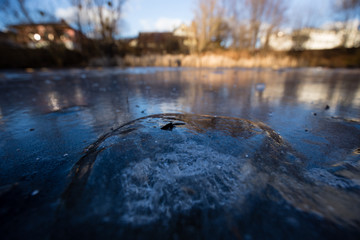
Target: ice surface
{"x":142,"y":177}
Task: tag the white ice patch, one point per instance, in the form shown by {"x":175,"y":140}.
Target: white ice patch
{"x":323,"y":177}
{"x":190,"y":176}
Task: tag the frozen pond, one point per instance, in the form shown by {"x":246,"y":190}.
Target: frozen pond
{"x":215,"y":153}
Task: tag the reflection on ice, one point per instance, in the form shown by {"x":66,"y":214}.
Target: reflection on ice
{"x":53,"y":101}
{"x":260,"y":87}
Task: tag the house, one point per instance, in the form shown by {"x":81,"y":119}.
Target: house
{"x":186,"y":34}
{"x":154,"y":40}
{"x":158,"y":42}
{"x":315,"y":39}
{"x":178,"y":41}
{"x":44,"y":34}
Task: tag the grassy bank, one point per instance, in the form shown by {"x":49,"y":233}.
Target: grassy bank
{"x":15,"y":57}
{"x":335,"y":58}
{"x":61,"y":57}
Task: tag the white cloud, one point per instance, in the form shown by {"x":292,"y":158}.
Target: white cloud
{"x":130,"y":7}
{"x":160,"y":25}
{"x":87,"y":16}
{"x":68,"y":14}
{"x":167,"y":24}
{"x":145,"y":25}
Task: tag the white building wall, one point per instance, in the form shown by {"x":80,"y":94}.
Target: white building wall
{"x":323,"y":39}
{"x":318,"y":39}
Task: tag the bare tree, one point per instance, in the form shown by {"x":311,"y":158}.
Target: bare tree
{"x":209,"y":26}
{"x":269,"y":14}
{"x":256,"y":9}
{"x":16,"y":11}
{"x":275,"y":15}
{"x":248,"y":18}
{"x":348,"y":10}
{"x":20,"y":11}
{"x":79,"y":11}
{"x":109,"y":13}
{"x":237,"y":19}
{"x":299,"y":38}
{"x":101,"y":18}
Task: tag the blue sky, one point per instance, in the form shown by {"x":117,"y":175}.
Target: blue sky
{"x":156,"y":15}
{"x":164,"y":15}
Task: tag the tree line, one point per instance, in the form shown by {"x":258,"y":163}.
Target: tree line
{"x":240,"y":24}
{"x":234,"y":24}
{"x":100,"y":19}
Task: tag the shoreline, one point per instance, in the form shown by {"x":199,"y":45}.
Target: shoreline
{"x":43,"y":58}
{"x":334,"y":58}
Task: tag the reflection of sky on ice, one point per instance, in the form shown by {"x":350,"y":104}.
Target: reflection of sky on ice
{"x":197,"y":91}
{"x":53,"y":101}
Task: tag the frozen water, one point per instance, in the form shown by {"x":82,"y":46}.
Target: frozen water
{"x":190,"y":176}
{"x":140,"y":176}
{"x":300,"y":185}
